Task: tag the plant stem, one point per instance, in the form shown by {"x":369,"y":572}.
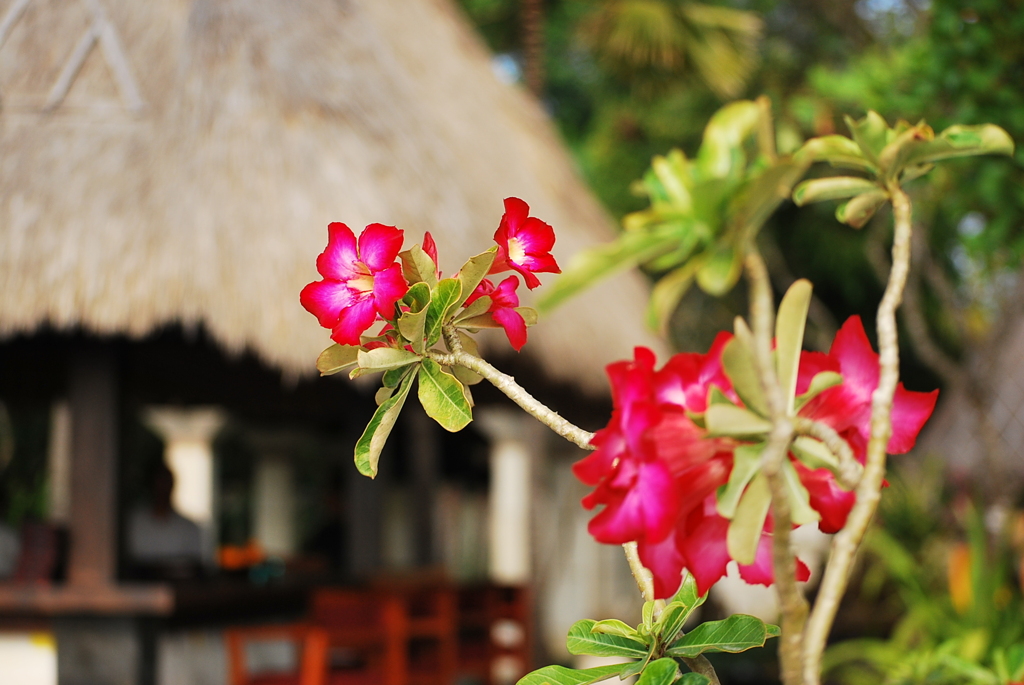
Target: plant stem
{"x":507,"y":384}
{"x":848,"y":540}
{"x":791,"y":599}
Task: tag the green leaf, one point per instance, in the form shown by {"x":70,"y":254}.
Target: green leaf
{"x":823,"y":380}
{"x":418,"y":267}
{"x":384,"y":358}
{"x":636,"y":667}
{"x":560,"y":675}
{"x":870,"y":134}
{"x":482,"y":321}
{"x":582,"y":641}
{"x":611,"y":626}
{"x":833,"y":188}
{"x":371,"y":442}
{"x":480,"y":306}
{"x":461,"y":372}
{"x":962,"y":141}
{"x":814,"y":454}
{"x":799,"y":499}
{"x":838,"y":151}
{"x":666,"y":294}
{"x":719,"y":270}
{"x":860,"y":209}
{"x":474,"y":271}
{"x":746,"y":465}
{"x":693,"y":679}
{"x":417,"y":296}
{"x":383,"y":393}
{"x":411,"y":325}
{"x":893,"y":156}
{"x":721,"y":151}
{"x":661,"y":672}
{"x":748,"y":522}
{"x":336,"y":358}
{"x":735,"y":422}
{"x":393,"y":377}
{"x":687,"y":593}
{"x":738,"y":364}
{"x":529,"y":315}
{"x":443,"y":397}
{"x":589,"y":266}
{"x":444,"y":298}
{"x":647,"y":615}
{"x":674,"y":174}
{"x":789,"y":336}
{"x":761,"y":197}
{"x":738,"y":633}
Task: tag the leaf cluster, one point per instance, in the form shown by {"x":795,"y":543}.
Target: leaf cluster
{"x":656,"y":645}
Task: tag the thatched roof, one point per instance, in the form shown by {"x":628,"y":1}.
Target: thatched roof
{"x":178,"y":161}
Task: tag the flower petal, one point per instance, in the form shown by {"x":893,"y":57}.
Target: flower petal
{"x":910,"y":411}
{"x":379,"y":246}
{"x":325,"y":300}
{"x":389,"y":286}
{"x":535,"y":236}
{"x":811,"y":364}
{"x":762,"y":571}
{"x":706,"y":552}
{"x":687,"y":377}
{"x":858,"y":363}
{"x":353,"y":321}
{"x":645,"y":511}
{"x":338,"y":260}
{"x":514,"y":325}
{"x":826,"y":497}
{"x":665,"y":562}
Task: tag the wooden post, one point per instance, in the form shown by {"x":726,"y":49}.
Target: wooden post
{"x":93,"y":525}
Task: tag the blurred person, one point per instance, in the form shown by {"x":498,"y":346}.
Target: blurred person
{"x":163,"y":544}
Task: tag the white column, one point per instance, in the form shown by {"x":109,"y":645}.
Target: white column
{"x":514,"y":442}
{"x":273,"y":492}
{"x":188,"y":451}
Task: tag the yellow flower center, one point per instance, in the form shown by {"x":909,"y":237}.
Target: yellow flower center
{"x":362,"y":283}
{"x":516,"y":253}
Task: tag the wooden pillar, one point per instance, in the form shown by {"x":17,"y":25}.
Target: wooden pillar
{"x":92,"y":526}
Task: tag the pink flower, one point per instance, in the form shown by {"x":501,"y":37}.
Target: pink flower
{"x":524,"y":243}
{"x":847,"y":409}
{"x":360,"y":282}
{"x":430,"y":247}
{"x":686,"y":378}
{"x":503,"y":308}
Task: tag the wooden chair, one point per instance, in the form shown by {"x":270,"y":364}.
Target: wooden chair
{"x":311,"y":644}
{"x":367,"y":636}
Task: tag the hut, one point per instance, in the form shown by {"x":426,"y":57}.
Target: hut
{"x":167,"y":171}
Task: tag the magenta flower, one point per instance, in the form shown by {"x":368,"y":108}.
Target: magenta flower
{"x":430,"y":247}
{"x":847,"y":409}
{"x":503,"y":308}
{"x":360,"y":282}
{"x":524,"y":244}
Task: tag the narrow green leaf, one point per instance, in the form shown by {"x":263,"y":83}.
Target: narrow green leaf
{"x":371,"y":442}
{"x":738,"y":364}
{"x":560,"y":675}
{"x":336,"y":358}
{"x":647,"y":614}
{"x":738,"y":633}
{"x":480,"y":306}
{"x":666,"y":294}
{"x":411,"y":325}
{"x":637,"y":667}
{"x":746,"y":465}
{"x":687,"y":593}
{"x":962,"y":141}
{"x":721,"y":154}
{"x":735,"y":422}
{"x":589,"y":266}
{"x":814,"y":454}
{"x":612,"y":626}
{"x":444,"y":297}
{"x":799,"y":499}
{"x":418,"y":267}
{"x":443,"y":397}
{"x":674,"y":174}
{"x":461,"y":372}
{"x":822,"y":381}
{"x":744,"y":532}
{"x":384,"y":358}
{"x":719,"y":270}
{"x":481,"y":321}
{"x":673,"y":616}
{"x":832,"y":188}
{"x":761,"y":197}
{"x":582,"y":641}
{"x":838,"y":151}
{"x":393,"y":377}
{"x":860,"y":209}
{"x":383,"y":394}
{"x":474,"y":271}
{"x":661,"y":672}
{"x":789,"y":336}
{"x":893,"y":156}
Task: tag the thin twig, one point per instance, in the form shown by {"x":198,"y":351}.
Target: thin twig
{"x":791,"y":600}
{"x":847,"y":541}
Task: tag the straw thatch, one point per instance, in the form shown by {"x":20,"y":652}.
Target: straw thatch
{"x":177,"y":161}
